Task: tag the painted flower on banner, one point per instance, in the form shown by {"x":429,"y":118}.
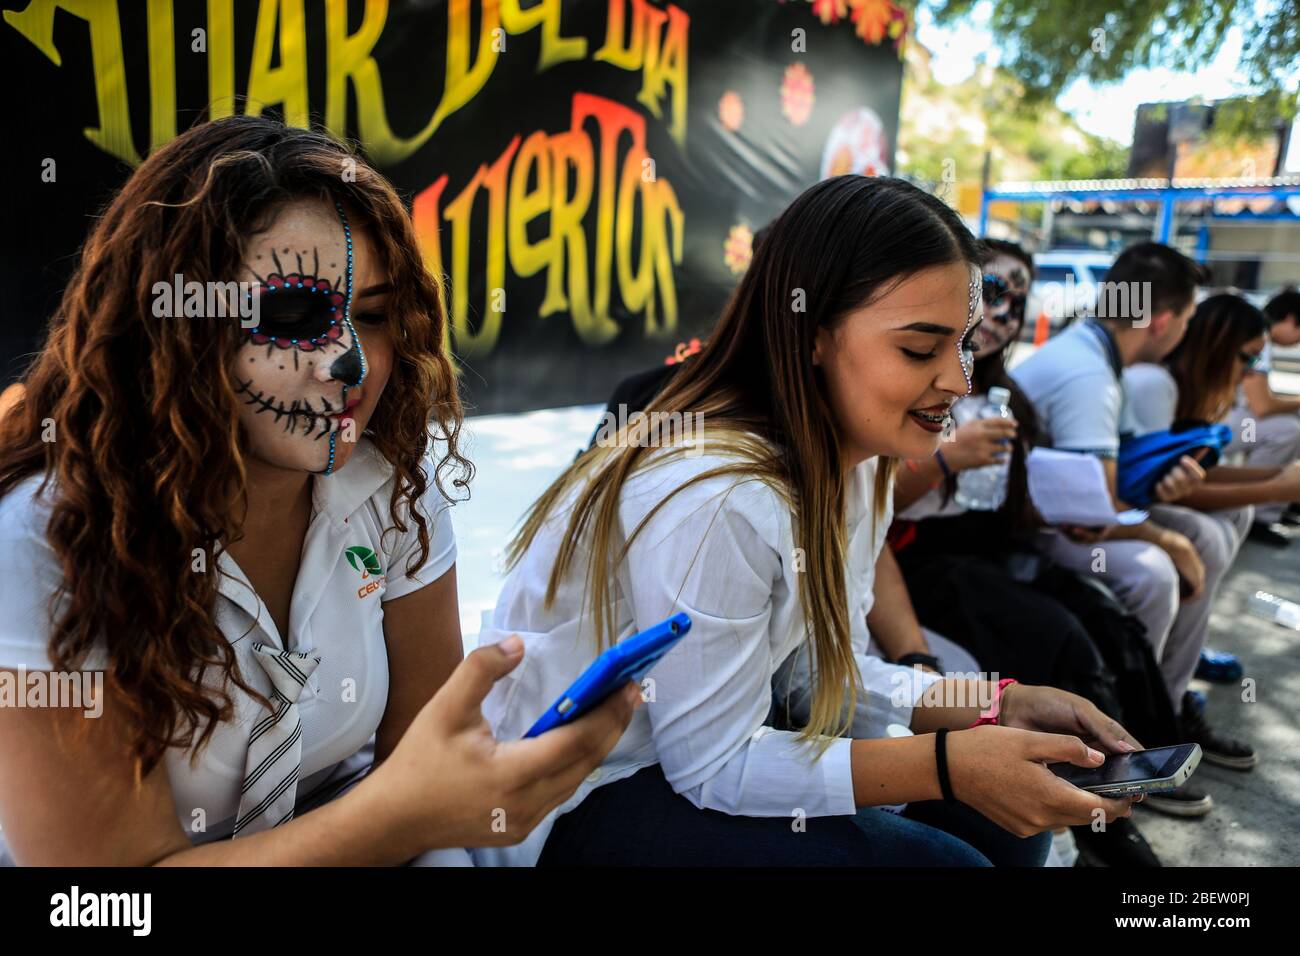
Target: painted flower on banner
{"x":830,"y":11}
{"x":739,"y":249}
{"x":797,"y":94}
{"x":874,"y":20}
{"x":683,"y":351}
{"x":731,"y":110}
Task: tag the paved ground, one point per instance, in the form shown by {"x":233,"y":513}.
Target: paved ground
{"x":1256,"y":820}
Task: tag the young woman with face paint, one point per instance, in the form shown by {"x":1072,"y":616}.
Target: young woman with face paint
{"x":766,"y":735}
{"x":242,"y":525}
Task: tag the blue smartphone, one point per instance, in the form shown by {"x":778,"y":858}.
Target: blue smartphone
{"x":628,"y":660}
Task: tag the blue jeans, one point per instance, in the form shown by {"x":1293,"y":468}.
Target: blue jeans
{"x":641,"y":821}
{"x":972,"y":838}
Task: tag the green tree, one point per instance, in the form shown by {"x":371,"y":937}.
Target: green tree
{"x":1047,"y":44}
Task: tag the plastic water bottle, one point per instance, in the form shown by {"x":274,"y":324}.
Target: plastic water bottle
{"x":985,"y":488}
{"x":1278,"y":610}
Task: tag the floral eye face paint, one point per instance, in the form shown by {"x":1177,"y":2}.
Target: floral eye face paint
{"x":295,"y":369}
{"x":307,"y":312}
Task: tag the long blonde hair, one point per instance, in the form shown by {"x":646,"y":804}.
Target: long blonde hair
{"x":838,"y":246}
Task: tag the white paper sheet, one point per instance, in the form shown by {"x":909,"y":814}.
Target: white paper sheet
{"x":1070,"y":488}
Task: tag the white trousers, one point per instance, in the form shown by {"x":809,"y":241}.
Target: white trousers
{"x":1143,"y":577}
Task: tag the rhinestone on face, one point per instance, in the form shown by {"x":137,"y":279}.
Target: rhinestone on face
{"x":966,"y":357}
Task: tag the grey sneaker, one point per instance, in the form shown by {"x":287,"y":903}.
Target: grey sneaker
{"x":1216,"y":748}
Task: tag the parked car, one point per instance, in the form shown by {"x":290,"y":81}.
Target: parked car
{"x":1065,"y":284}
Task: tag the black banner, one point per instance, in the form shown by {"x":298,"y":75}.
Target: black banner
{"x":587,"y":174}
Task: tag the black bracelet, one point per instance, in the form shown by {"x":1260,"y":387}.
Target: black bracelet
{"x":919,"y":658}
{"x":941,"y":764}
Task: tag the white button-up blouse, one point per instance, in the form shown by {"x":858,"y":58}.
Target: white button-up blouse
{"x":336,"y":610}
{"x":722,"y":550}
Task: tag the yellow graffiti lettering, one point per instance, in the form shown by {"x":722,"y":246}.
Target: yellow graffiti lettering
{"x":285,"y":84}
{"x":36,"y":23}
{"x":560,"y":175}
{"x":651,"y":40}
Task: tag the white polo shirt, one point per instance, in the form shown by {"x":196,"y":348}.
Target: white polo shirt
{"x":1263,"y":367}
{"x":722,"y":550}
{"x":1074,"y":391}
{"x":1150,"y":398}
{"x":336,"y":611}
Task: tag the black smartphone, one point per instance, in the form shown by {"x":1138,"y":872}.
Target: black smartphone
{"x":1143,"y":771}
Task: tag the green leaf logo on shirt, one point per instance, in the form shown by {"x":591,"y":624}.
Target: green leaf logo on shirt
{"x":363,"y":560}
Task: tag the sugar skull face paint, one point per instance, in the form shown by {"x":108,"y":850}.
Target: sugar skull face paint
{"x":308,"y":376}
{"x":1005,"y":291}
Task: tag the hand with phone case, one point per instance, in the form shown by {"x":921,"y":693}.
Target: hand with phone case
{"x":448,"y":781}
{"x":628,"y":660}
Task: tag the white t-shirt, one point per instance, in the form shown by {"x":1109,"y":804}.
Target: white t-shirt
{"x":1072,"y":386}
{"x":722,"y":550}
{"x":1263,"y":367}
{"x":1265,"y":358}
{"x":1150,"y":398}
{"x":337,"y":611}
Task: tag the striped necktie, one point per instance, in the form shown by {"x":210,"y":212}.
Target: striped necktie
{"x":275,"y":744}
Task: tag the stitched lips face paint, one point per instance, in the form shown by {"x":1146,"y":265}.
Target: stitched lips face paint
{"x":299,"y":372}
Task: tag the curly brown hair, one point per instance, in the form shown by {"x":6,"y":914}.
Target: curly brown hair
{"x":148,"y":462}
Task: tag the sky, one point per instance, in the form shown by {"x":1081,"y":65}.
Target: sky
{"x":1107,"y":110}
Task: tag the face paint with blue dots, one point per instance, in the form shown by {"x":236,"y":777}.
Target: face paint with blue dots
{"x":304,"y":324}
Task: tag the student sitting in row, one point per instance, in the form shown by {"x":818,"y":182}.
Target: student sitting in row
{"x":241,"y":529}
{"x":1167,"y":569}
{"x":768,"y":536}
{"x":1193,"y":386}
{"x":975,"y":576}
{"x":1267,"y":418}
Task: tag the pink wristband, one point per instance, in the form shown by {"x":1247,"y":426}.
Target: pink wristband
{"x":990,"y":716}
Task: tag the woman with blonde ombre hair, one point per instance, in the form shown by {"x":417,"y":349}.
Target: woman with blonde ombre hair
{"x":769,"y":732}
{"x":221,"y":503}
